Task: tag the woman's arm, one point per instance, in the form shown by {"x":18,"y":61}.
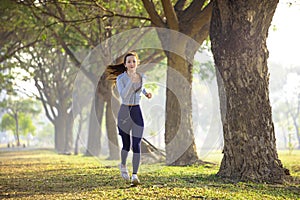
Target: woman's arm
{"x":124,"y":87}
{"x":147,"y":94}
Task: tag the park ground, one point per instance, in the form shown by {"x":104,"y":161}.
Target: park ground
{"x":43,"y":174}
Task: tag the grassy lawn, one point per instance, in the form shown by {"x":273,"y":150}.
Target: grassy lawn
{"x":42,"y":174}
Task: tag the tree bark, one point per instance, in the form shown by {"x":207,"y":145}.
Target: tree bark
{"x":104,"y":91}
{"x":113,"y":144}
{"x":69,"y":134}
{"x":193,"y":22}
{"x":94,"y":133}
{"x":59,"y":133}
{"x":179,"y":137}
{"x":238,"y":34}
{"x":63,"y":124}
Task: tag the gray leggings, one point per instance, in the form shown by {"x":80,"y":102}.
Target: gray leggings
{"x":130,"y":119}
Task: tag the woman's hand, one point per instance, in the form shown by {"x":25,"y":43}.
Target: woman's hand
{"x":149,"y":95}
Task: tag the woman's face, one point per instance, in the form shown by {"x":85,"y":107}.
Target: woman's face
{"x":131,"y":63}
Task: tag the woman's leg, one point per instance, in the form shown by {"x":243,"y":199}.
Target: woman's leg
{"x":136,"y":148}
{"x":124,"y":126}
{"x":137,"y":135}
{"x":125,"y":149}
{"x":124,"y":154}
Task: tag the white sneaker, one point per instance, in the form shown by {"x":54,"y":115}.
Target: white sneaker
{"x":124,"y":173}
{"x":135,"y":180}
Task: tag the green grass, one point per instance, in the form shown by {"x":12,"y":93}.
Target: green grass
{"x":43,"y":174}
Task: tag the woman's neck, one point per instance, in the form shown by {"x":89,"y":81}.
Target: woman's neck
{"x":131,"y":73}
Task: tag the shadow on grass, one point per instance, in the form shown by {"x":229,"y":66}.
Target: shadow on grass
{"x":55,"y":174}
{"x":213,"y":182}
{"x":71,"y":180}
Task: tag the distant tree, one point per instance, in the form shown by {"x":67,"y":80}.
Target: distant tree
{"x":22,"y":126}
{"x":17,"y":117}
{"x":292,"y":102}
{"x":54,"y":75}
{"x":9,"y":124}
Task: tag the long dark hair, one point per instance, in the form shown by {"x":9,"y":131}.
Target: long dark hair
{"x":112,"y":71}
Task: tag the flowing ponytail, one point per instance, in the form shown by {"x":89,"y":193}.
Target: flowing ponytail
{"x":112,"y":71}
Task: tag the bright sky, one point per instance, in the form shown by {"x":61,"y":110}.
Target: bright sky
{"x":284,"y":42}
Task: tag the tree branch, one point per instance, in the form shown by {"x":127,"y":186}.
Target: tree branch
{"x":179,"y":5}
{"x":76,"y":62}
{"x":43,"y":101}
{"x":155,"y":18}
{"x":170,"y":13}
{"x":192,"y":27}
{"x":10,"y":54}
{"x":83,"y":20}
{"x":194,"y":8}
{"x":84,"y":35}
{"x":46,"y":90}
{"x":202,"y":34}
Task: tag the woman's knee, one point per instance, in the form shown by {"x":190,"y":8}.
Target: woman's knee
{"x":126,"y":141}
{"x":136,"y":149}
{"x":136,"y":146}
{"x":126,"y":147}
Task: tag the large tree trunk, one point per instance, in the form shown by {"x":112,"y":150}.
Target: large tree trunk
{"x":63,"y":124}
{"x":238,"y":33}
{"x":94,"y":133}
{"x":192,"y":20}
{"x":179,"y":136}
{"x":112,"y":135}
{"x":104,"y":89}
{"x":59,"y":133}
{"x":69,"y":134}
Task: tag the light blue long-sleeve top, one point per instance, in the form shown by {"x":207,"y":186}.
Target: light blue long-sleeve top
{"x":130,"y":92}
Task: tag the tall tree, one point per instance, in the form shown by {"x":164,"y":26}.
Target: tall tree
{"x":53,"y":74}
{"x":55,"y":85}
{"x":191,"y":18}
{"x":238,"y":34}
